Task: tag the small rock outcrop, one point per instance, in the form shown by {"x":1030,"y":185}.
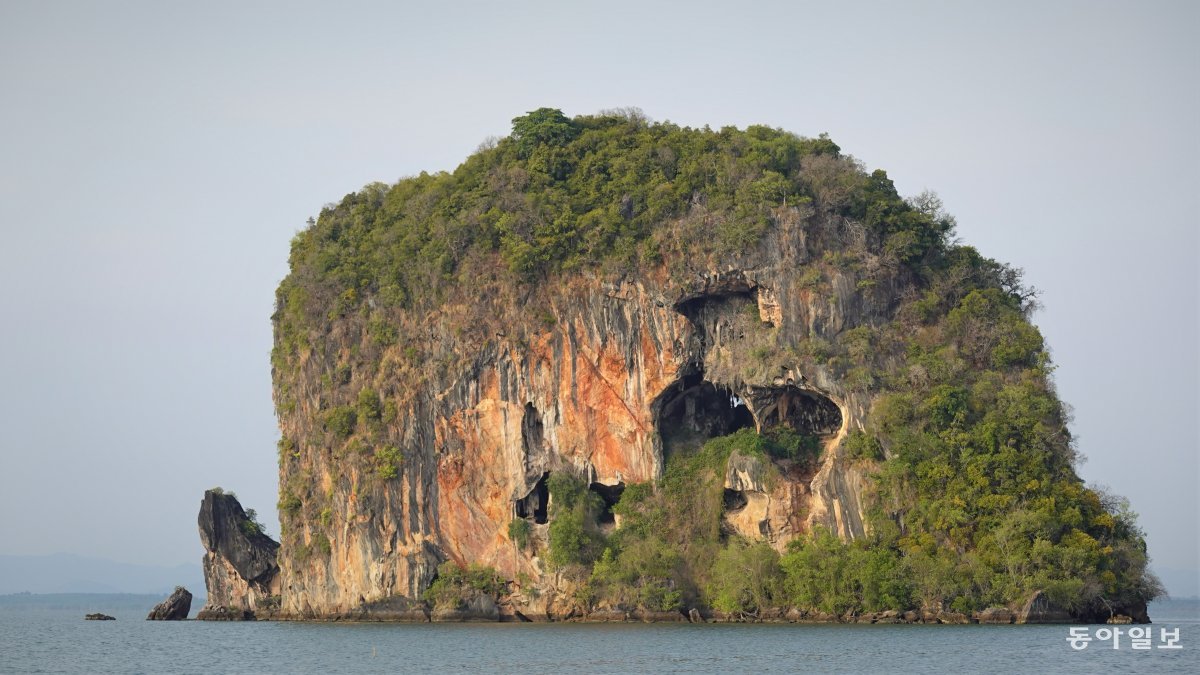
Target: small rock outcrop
{"x":481,"y":607}
{"x":174,"y":608}
{"x":99,"y":617}
{"x":240,"y":568}
{"x":996,"y":615}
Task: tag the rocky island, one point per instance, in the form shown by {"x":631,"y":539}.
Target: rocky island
{"x":610,"y":369}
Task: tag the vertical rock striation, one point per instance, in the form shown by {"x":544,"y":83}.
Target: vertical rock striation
{"x":600,"y":388}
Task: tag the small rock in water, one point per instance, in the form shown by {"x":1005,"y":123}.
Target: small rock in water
{"x":100,"y":617}
{"x":174,"y":608}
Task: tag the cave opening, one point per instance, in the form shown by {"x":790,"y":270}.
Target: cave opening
{"x":695,"y":410}
{"x":531,"y":430}
{"x":734,"y":500}
{"x":533,"y":506}
{"x":703,"y":309}
{"x":610,"y":495}
{"x":805,"y":411}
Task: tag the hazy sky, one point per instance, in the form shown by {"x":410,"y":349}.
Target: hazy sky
{"x":157,"y":157}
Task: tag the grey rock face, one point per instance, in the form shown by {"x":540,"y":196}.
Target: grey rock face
{"x":174,"y":608}
{"x":224,"y":530}
{"x":240,"y":568}
{"x":479,"y":608}
{"x":999,"y":615}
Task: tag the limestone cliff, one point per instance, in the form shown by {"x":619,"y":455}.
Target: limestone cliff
{"x":240,"y":568}
{"x":623,"y":371}
{"x":446,"y":346}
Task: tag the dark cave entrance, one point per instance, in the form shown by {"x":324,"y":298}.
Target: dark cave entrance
{"x":734,"y":500}
{"x":533,"y":505}
{"x":531,"y":430}
{"x":705,"y":309}
{"x":695,"y":410}
{"x":805,"y":411}
{"x":610,"y":494}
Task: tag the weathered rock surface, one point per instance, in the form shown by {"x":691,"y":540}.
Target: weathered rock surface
{"x":1039,"y":609}
{"x":174,"y":608}
{"x":953,"y":618}
{"x":240,"y":568}
{"x":392,"y":609}
{"x":99,"y":617}
{"x":623,"y":372}
{"x":1101,"y":613}
{"x":996,"y":615}
{"x":479,"y":608}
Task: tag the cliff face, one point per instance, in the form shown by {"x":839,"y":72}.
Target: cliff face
{"x":597,"y":304}
{"x":240,"y":568}
{"x":600,"y":390}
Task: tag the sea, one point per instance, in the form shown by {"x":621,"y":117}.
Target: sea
{"x":53,"y":637}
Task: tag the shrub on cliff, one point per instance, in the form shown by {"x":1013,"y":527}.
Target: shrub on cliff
{"x":455,"y":585}
{"x":574,"y":537}
{"x":519,"y":531}
{"x":340,"y":421}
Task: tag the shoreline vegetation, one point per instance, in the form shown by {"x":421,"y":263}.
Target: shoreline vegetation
{"x":1172,"y":609}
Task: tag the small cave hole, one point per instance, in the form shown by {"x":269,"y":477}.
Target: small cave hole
{"x":531,"y":430}
{"x":735,"y":500}
{"x":533,"y":505}
{"x":610,"y":494}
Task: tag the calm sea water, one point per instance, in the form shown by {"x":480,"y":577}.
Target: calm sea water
{"x":59,"y":641}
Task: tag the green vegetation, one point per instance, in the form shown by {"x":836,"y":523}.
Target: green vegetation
{"x":340,"y":421}
{"x":387,"y":462}
{"x":455,"y":585}
{"x":289,"y":503}
{"x":369,"y":406}
{"x":287,"y":449}
{"x":251,"y":525}
{"x":321,"y":543}
{"x":827,"y":575}
{"x":861,"y":445}
{"x":663,"y":553}
{"x":519,"y":530}
{"x":574,"y":537}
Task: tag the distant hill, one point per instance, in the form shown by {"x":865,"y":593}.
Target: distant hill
{"x":85,"y":602}
{"x":66,"y":573}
